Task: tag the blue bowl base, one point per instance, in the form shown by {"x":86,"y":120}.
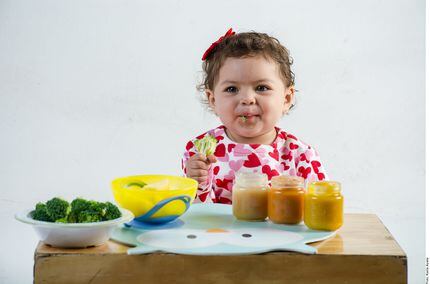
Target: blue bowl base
{"x":154,"y":226}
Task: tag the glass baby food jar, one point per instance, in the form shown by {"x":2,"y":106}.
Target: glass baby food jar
{"x":250,"y":197}
{"x":286,"y":200}
{"x":324,"y":206}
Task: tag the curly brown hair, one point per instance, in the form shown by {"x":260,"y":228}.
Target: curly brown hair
{"x":244,"y":45}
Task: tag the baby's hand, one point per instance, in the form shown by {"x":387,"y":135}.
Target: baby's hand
{"x":198,"y":167}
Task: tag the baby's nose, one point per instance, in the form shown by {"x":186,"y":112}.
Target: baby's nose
{"x":247,"y":98}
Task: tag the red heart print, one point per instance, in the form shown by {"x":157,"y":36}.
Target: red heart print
{"x":315,"y":166}
{"x":293,"y":146}
{"x":189,"y":145}
{"x":254,"y":146}
{"x":292,"y":136}
{"x":223,"y":183}
{"x":203,"y":196}
{"x":321,"y":176}
{"x":288,"y":156}
{"x":252,"y":161}
{"x":230,"y":147}
{"x":304,"y":171}
{"x":286,"y":167}
{"x":224,"y":200}
{"x":216,"y":170}
{"x":220,"y":150}
{"x":201,"y":136}
{"x":303,"y":157}
{"x":269,"y":172}
{"x":218,"y":191}
{"x":274,"y":154}
{"x":282,"y":135}
{"x":218,"y":138}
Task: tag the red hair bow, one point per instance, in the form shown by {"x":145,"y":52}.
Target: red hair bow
{"x":213,"y":45}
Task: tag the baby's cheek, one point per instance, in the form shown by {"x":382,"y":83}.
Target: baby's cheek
{"x":228,"y":121}
{"x":272,"y":119}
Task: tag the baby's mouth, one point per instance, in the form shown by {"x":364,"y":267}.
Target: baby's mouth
{"x":248,"y":118}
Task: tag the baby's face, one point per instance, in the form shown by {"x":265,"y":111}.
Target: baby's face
{"x":250,"y":97}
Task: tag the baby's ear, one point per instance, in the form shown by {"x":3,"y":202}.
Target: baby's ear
{"x":211,"y":98}
{"x":289,"y":98}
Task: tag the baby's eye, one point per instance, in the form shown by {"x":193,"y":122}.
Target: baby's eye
{"x":231,"y":89}
{"x":262,"y":88}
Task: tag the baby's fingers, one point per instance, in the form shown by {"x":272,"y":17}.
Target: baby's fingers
{"x":211,"y":159}
{"x":198,"y":173}
{"x":200,"y":179}
{"x":198,"y":165}
{"x":198,"y":157}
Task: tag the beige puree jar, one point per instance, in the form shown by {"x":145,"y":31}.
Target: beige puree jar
{"x":250,"y":196}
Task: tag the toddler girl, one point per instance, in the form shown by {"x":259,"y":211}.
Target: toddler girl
{"x":249,"y":85}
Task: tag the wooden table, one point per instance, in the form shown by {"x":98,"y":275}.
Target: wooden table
{"x":363,"y":251}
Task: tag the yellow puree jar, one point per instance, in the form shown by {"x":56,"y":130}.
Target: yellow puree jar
{"x":324,"y":206}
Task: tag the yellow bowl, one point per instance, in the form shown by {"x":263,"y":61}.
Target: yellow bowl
{"x":141,"y":200}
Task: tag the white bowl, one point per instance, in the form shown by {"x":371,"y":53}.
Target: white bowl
{"x":74,"y":235}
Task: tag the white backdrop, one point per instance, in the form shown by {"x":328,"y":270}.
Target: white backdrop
{"x":93,"y":90}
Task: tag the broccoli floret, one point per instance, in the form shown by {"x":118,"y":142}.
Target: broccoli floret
{"x":111,"y":212}
{"x":78,"y":211}
{"x":93,"y":213}
{"x":77,"y":206}
{"x":72,"y":218}
{"x":80,"y":204}
{"x":89,"y":216}
{"x":57,"y":208}
{"x":62,"y":220}
{"x":40,"y":213}
{"x":206,"y":145}
{"x":98,"y":208}
{"x":99,"y":211}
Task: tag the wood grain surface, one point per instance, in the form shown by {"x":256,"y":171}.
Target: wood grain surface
{"x":362,"y":251}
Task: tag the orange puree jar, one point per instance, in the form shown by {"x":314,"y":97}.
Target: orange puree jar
{"x":286,"y":200}
{"x":250,"y":196}
{"x":324,"y":206}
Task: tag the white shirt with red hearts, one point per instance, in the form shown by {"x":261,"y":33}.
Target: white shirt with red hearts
{"x":286,"y":155}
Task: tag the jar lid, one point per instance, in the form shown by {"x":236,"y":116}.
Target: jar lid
{"x":287,"y":181}
{"x":251,"y":179}
{"x":324,"y":187}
